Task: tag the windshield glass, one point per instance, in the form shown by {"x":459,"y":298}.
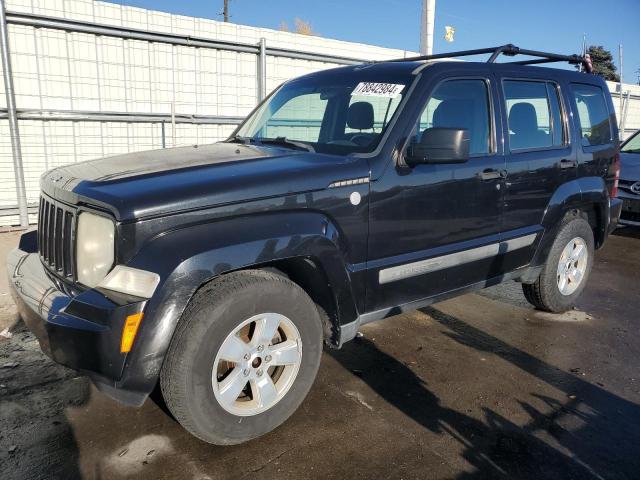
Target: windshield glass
{"x":633,"y":144}
{"x":327,"y":113}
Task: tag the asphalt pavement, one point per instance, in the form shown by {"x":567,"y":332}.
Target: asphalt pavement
{"x":480,"y":386}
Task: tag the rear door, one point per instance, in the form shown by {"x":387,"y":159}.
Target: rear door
{"x":597,"y":132}
{"x":539,"y":155}
{"x":436,"y":227}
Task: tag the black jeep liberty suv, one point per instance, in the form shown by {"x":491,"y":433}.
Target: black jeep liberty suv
{"x":349,"y":195}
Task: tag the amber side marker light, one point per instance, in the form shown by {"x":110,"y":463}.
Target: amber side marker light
{"x":129,"y":331}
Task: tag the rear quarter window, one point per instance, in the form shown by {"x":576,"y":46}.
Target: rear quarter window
{"x":593,"y":114}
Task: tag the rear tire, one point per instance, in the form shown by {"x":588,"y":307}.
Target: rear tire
{"x":219,"y":348}
{"x":566,"y":270}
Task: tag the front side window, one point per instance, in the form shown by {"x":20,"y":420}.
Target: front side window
{"x":595,"y":124}
{"x":336,"y":115}
{"x":460,"y":104}
{"x":533,"y":114}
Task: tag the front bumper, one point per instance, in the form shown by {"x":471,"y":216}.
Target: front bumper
{"x":77,"y":328}
{"x":630,"y":214}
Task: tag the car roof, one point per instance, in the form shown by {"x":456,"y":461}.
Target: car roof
{"x":414,"y":67}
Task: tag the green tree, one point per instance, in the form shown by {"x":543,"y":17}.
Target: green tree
{"x":603,"y":65}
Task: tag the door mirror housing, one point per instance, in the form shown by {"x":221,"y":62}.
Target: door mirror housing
{"x":439,"y":145}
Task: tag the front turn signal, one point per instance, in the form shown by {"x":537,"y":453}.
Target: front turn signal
{"x":129,"y":331}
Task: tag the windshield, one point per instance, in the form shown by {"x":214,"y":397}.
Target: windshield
{"x":633,"y":144}
{"x":327,"y":113}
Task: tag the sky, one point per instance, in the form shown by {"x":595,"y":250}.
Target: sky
{"x":548,"y":25}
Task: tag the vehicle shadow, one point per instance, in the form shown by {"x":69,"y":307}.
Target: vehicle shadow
{"x":627,"y":231}
{"x":604,"y":446}
{"x":608,"y":440}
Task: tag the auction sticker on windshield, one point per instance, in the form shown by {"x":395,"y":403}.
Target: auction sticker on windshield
{"x":372,"y":89}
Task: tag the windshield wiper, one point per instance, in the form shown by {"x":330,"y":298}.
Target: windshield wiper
{"x":239,"y":139}
{"x":285,"y":142}
{"x":632,"y":150}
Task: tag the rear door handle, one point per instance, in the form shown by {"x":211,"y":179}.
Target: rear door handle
{"x":564,"y":163}
{"x":492,"y":174}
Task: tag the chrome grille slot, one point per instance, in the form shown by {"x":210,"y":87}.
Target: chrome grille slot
{"x":56,"y":237}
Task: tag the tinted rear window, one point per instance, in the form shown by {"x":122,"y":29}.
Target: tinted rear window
{"x":593,"y":114}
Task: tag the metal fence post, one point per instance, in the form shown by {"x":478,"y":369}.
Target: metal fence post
{"x":262,"y":69}
{"x":173,"y":122}
{"x":13,"y":118}
{"x":623,"y":115}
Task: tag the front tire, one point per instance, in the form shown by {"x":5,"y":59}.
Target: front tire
{"x":566,"y":271}
{"x":243,"y":357}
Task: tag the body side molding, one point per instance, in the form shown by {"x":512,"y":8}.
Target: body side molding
{"x":349,"y":330}
{"x":413,"y":269}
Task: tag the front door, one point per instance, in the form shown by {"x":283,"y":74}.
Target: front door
{"x":436,"y":227}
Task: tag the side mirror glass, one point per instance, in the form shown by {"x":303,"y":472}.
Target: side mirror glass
{"x":440,"y":145}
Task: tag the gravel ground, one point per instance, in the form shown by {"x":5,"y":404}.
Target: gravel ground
{"x":8,"y":313}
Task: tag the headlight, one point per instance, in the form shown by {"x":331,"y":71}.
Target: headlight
{"x":95,"y":248}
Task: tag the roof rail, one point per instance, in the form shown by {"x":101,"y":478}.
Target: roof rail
{"x":509,"y":50}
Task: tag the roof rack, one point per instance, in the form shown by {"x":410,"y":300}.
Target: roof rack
{"x":509,"y":50}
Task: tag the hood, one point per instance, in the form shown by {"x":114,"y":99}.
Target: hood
{"x":630,"y":166}
{"x":147,"y":184}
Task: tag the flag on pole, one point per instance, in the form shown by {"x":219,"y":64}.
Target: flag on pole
{"x":448,"y":33}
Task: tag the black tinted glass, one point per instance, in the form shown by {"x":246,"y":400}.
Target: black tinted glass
{"x":595,"y":126}
{"x":528,"y":115}
{"x":462,"y":104}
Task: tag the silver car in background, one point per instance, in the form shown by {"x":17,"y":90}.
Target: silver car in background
{"x":629,"y":188}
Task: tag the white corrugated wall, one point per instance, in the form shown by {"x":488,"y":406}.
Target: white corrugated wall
{"x":631,"y":99}
{"x":56,"y":70}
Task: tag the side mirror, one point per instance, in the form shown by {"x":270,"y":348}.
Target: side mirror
{"x":440,"y":145}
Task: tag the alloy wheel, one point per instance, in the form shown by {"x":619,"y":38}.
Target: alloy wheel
{"x":257,"y":364}
{"x":572,"y":266}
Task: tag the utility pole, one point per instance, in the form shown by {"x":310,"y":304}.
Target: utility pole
{"x":225,"y":11}
{"x":621,"y":125}
{"x":426,"y":26}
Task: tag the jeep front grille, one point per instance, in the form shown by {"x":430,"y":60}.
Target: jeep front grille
{"x":56,"y":237}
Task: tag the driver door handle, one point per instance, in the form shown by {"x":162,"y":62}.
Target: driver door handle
{"x":492,"y":174}
{"x":564,"y":164}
